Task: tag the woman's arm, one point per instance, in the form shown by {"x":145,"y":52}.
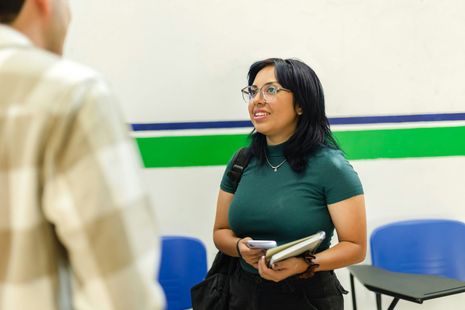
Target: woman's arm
{"x":223,"y":236}
{"x":349,"y":220}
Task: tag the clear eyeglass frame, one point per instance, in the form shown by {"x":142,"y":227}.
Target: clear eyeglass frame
{"x":269,"y":91}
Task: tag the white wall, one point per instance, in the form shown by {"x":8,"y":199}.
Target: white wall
{"x":373,"y":56}
{"x":181,"y":60}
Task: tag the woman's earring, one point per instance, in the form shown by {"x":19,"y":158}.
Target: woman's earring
{"x":300,"y":112}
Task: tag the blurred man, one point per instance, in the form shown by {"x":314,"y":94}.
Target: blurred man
{"x":76,"y":229}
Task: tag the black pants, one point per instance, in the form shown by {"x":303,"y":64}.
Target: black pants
{"x":251,"y":292}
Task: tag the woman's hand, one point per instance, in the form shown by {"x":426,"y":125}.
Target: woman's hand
{"x":251,"y":256}
{"x":281,"y":270}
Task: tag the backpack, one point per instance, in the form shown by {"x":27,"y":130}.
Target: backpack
{"x":213,"y":292}
{"x":239,"y":162}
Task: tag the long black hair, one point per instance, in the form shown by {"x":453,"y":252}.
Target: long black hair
{"x":312,"y":130}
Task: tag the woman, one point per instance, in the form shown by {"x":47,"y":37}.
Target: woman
{"x":296,"y":183}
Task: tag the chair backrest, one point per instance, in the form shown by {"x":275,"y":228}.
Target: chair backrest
{"x":183,"y":264}
{"x":435,"y":247}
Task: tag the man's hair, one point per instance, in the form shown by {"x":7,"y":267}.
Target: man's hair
{"x":9,"y":10}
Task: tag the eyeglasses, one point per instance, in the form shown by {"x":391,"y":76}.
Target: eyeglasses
{"x":269,"y":91}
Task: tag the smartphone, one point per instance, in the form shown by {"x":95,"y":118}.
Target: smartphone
{"x":261,"y":244}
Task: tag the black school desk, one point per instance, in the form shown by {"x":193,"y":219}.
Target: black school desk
{"x":411,"y":287}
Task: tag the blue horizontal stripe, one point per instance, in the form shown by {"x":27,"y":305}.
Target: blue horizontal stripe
{"x":397,"y":119}
{"x":191,"y":125}
{"x":355,"y":120}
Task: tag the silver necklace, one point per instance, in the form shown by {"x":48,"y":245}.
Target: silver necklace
{"x":275,"y":168}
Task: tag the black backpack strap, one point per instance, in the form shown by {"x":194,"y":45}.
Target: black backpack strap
{"x":239,"y":162}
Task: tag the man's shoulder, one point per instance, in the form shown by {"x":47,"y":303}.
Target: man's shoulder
{"x":46,"y":75}
{"x":62,"y":70}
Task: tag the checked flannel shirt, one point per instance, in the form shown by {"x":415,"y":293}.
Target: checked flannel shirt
{"x":72,"y":206}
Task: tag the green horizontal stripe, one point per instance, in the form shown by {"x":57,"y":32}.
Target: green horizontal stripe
{"x":403,"y":143}
{"x":188,"y":151}
{"x":185,"y":151}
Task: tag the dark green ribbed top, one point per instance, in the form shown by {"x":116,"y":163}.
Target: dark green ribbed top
{"x":285,"y":205}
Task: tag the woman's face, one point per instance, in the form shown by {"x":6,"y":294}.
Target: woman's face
{"x":275,"y":118}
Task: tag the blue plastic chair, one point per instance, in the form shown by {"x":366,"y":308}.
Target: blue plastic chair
{"x":183,"y":264}
{"x":433,"y":247}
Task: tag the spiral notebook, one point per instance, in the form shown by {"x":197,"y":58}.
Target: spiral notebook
{"x":294,"y":248}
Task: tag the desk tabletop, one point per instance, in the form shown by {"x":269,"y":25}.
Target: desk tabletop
{"x":412,"y":287}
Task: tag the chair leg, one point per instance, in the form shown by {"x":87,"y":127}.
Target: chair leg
{"x":352,"y":290}
{"x":393,"y":303}
{"x":378,"y":301}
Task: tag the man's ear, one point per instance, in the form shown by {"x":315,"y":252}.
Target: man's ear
{"x":44,"y":6}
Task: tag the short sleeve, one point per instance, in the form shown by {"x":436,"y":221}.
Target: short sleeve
{"x":339,"y":179}
{"x":226,"y":183}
